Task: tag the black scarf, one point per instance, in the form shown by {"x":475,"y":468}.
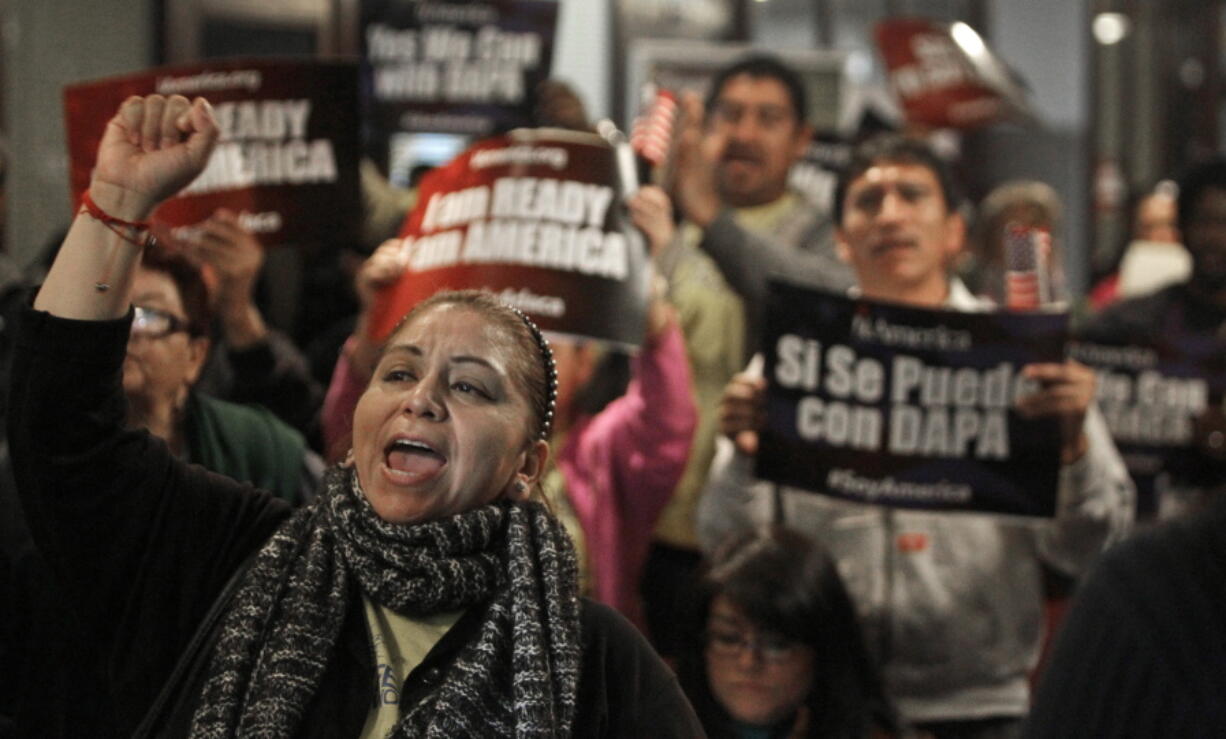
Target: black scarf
{"x":517,"y":677}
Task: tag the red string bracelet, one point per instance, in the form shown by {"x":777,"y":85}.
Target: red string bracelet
{"x":121,"y":229}
{"x":118,"y":225}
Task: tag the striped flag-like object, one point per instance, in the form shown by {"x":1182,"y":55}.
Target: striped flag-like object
{"x":652,"y":132}
{"x":1025,"y":283}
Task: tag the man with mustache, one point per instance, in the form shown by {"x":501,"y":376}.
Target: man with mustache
{"x":951,"y":603}
{"x":730,"y":182}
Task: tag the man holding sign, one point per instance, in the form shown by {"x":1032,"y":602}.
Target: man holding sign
{"x":951,"y":602}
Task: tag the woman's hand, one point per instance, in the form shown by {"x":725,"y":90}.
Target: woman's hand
{"x":153,"y":147}
{"x":651,"y":210}
{"x":236,"y":257}
{"x":382,"y":269}
{"x":379,"y":272}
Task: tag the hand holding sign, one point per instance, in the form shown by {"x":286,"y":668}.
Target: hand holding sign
{"x":377,"y":274}
{"x":153,"y":147}
{"x":742,"y":411}
{"x":232,"y":252}
{"x":1067,"y":391}
{"x":380,"y":271}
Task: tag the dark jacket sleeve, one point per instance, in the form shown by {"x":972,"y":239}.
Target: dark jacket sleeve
{"x":625,"y":689}
{"x":140,"y":541}
{"x":747,"y":260}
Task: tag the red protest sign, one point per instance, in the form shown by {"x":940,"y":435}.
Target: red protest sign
{"x":533,"y":217}
{"x":945,"y":76}
{"x":287,"y":157}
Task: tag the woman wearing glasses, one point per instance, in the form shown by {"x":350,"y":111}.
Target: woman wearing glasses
{"x":781,"y":656}
{"x":167,"y":349}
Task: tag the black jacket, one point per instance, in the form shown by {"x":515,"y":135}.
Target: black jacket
{"x":145,"y":543}
{"x":1172,"y":311}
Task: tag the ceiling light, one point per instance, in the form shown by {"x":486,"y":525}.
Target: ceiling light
{"x":1111,"y":28}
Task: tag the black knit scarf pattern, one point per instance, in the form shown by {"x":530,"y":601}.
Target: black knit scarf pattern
{"x":517,"y":678}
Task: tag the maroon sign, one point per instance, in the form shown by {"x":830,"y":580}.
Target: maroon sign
{"x":287,"y":157}
{"x":945,"y":76}
{"x":534,"y":217}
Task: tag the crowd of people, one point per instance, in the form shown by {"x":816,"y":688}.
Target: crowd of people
{"x":212,"y":527}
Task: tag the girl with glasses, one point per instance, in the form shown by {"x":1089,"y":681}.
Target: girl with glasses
{"x":781,"y":656}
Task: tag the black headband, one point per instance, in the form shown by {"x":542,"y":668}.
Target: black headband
{"x":551,"y":372}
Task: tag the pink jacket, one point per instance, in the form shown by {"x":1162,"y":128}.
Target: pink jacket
{"x":619,"y":466}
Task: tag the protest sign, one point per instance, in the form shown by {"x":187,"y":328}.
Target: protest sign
{"x":460,"y":68}
{"x":945,"y":75}
{"x":908,"y":407}
{"x":1163,"y":402}
{"x":286,"y":160}
{"x":533,"y":216}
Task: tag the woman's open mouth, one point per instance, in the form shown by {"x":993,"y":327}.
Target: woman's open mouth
{"x":410,"y":461}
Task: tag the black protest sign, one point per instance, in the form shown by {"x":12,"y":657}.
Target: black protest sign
{"x":907,"y":407}
{"x":1163,"y":402}
{"x":451,"y":67}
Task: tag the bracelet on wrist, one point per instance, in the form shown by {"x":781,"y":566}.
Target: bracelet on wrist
{"x":136,"y":233}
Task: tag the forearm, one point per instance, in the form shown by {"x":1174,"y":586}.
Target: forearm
{"x":748,"y":259}
{"x":727,"y":499}
{"x":92,"y":274}
{"x":662,"y":379}
{"x":652,"y":425}
{"x":71,"y":457}
{"x":339,"y":401}
{"x":242,"y":324}
{"x":1095,"y":503}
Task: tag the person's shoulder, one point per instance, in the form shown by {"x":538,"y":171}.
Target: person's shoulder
{"x":625,"y":689}
{"x":246,"y":418}
{"x":1172,"y":559}
{"x":1126,"y":318}
{"x":604,"y":628}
